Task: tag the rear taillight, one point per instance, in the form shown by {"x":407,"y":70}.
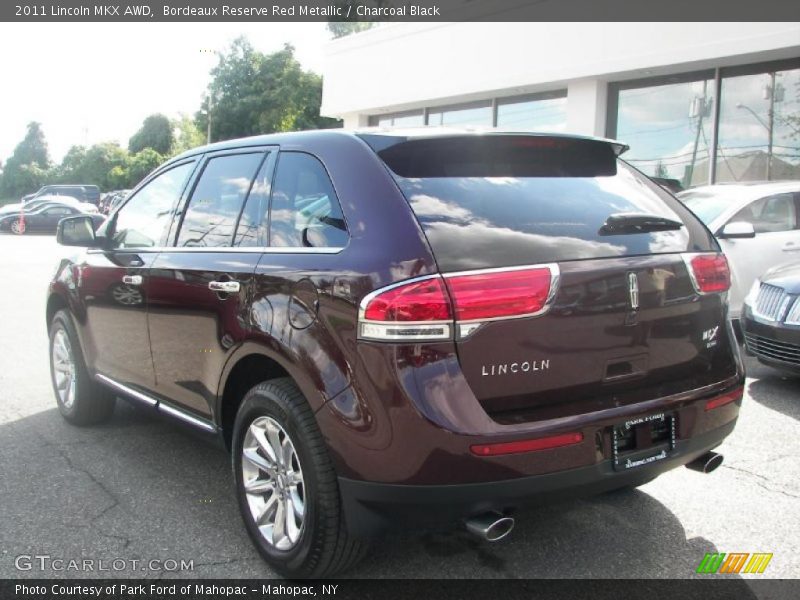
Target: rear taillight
{"x":710,"y":272}
{"x":428,"y":308}
{"x":413,"y":310}
{"x":500,"y":294}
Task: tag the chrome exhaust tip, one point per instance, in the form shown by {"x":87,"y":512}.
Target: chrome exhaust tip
{"x":491,"y":527}
{"x":706,"y":463}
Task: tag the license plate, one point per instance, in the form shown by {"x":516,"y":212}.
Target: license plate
{"x":642,"y":441}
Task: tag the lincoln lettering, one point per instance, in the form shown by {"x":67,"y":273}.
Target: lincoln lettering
{"x":527,"y":366}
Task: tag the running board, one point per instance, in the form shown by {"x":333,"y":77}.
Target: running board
{"x":160,"y":406}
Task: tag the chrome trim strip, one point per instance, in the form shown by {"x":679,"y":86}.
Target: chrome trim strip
{"x":126,"y":390}
{"x":386,"y":331}
{"x":192,"y":420}
{"x":160,"y":406}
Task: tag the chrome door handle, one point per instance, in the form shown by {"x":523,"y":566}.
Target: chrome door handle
{"x":226,"y":287}
{"x":132,"y":279}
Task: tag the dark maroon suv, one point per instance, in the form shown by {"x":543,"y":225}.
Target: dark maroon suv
{"x":393,"y":329}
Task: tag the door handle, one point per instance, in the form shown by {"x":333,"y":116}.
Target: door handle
{"x":791,"y":248}
{"x":226,"y":287}
{"x":132,"y":279}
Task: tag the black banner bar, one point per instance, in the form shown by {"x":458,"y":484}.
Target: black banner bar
{"x":708,"y":588}
{"x":396,"y":10}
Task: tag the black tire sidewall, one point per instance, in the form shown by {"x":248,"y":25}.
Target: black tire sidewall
{"x":61,"y":323}
{"x":261,"y":402}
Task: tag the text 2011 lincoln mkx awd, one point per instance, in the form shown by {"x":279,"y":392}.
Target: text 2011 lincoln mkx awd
{"x":403,"y":328}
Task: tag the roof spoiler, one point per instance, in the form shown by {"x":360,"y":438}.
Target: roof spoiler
{"x":380,"y":138}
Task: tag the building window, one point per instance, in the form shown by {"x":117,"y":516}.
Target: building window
{"x":669,"y":127}
{"x":405,"y":119}
{"x":759,"y":127}
{"x":463,"y":115}
{"x":670,"y":123}
{"x":543,"y":112}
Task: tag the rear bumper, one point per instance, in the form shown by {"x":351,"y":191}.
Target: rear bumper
{"x":374,"y":507}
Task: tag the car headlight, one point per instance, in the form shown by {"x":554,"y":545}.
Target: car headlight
{"x":793,"y":317}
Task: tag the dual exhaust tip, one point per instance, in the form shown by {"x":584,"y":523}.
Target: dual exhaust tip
{"x":494,"y":526}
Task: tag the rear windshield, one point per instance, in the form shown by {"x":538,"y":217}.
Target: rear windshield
{"x":495,"y":201}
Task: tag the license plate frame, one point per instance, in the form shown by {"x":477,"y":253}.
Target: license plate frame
{"x":627,"y":459}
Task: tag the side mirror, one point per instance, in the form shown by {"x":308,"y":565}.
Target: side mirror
{"x":76,"y":231}
{"x":737,"y":230}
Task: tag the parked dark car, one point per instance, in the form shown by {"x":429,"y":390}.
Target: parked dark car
{"x":771,"y":322}
{"x":390,"y":330}
{"x":43,"y":218}
{"x":82,"y":193}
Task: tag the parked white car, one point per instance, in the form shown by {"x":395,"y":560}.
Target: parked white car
{"x":756,"y":225}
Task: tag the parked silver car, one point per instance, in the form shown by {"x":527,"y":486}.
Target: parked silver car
{"x":756,"y":225}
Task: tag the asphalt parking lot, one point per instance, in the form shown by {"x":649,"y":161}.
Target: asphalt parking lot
{"x":141,"y":489}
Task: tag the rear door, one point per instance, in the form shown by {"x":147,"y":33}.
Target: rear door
{"x":200,"y":285}
{"x":596,"y":251}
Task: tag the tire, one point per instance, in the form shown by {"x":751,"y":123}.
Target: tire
{"x":322,"y":545}
{"x":80,"y":400}
{"x":18,"y":227}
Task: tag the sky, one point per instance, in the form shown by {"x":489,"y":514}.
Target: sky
{"x":94,"y":82}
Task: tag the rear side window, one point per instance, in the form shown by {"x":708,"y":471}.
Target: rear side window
{"x":304,"y":211}
{"x":496,"y":201}
{"x":217,"y":200}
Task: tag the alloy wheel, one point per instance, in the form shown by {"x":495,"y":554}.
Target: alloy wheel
{"x":63,"y":368}
{"x":18,"y":227}
{"x":273,"y":483}
{"x":126,"y":295}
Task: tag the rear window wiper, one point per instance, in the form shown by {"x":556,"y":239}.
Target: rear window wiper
{"x":623,"y":223}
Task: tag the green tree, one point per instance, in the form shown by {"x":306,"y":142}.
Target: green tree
{"x":26,"y":168}
{"x":140,"y":165}
{"x":343,"y":28}
{"x":155,"y":133}
{"x":187,"y":135}
{"x":252,"y":93}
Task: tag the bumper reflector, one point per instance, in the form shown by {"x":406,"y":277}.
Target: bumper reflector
{"x":555,"y":441}
{"x":724,"y":399}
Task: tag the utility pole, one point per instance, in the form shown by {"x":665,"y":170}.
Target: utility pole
{"x":698,"y":106}
{"x":208,"y":115}
{"x":771,"y":120}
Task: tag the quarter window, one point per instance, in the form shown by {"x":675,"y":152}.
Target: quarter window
{"x":144,"y":219}
{"x":217,"y":200}
{"x":305,"y":211}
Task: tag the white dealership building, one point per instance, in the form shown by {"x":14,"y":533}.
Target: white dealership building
{"x":697,"y":102}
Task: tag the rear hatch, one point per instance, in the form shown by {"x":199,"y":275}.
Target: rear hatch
{"x":576,"y":281}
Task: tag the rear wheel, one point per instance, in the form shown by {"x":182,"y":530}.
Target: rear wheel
{"x":80,"y":400}
{"x":18,"y":226}
{"x":286,"y":485}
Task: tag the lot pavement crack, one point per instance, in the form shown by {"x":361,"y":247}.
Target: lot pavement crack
{"x":760,"y":481}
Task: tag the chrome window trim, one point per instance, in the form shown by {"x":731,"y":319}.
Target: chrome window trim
{"x":228,"y":249}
